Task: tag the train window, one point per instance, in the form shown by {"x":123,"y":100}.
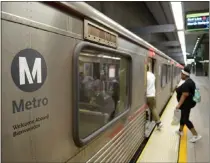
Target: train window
{"x":163,"y":75}
{"x":103,"y":89}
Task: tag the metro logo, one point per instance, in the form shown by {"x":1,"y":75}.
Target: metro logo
{"x":29,"y":70}
{"x":24,"y":71}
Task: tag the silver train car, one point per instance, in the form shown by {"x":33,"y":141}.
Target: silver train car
{"x":74,"y":83}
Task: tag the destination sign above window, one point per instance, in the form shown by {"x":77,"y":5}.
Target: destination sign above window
{"x":197,"y":21}
{"x":98,"y":34}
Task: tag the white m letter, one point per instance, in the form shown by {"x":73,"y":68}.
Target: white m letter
{"x":24,"y":71}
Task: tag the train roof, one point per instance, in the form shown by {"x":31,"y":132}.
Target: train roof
{"x":85,"y":10}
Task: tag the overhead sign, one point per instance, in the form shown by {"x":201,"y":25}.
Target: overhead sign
{"x":95,"y":33}
{"x":197,"y":21}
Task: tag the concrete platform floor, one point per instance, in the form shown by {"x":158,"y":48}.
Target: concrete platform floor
{"x":199,"y":151}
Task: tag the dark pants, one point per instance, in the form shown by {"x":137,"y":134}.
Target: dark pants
{"x":116,"y":99}
{"x":185,"y":115}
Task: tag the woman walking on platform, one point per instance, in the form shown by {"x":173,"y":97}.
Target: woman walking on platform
{"x":185,"y":94}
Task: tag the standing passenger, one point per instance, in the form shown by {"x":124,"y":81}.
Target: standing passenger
{"x":115,"y":96}
{"x":151,"y":101}
{"x":82,"y":97}
{"x":185,"y":94}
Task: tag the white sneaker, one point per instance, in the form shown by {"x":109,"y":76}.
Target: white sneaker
{"x":180,"y":133}
{"x":159,"y":126}
{"x":195,"y":138}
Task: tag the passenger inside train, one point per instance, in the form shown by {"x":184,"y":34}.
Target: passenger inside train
{"x":103,"y":94}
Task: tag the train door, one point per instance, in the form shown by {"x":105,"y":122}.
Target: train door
{"x":172,"y":72}
{"x":151,"y":63}
{"x":150,"y":123}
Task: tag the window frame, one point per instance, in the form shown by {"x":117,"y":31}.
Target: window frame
{"x":75,"y":92}
{"x":174,"y":72}
{"x":162,"y":66}
{"x":166,"y":73}
{"x":169,"y":72}
{"x":177,"y":72}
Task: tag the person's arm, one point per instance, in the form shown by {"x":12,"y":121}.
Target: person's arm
{"x":182,"y":99}
{"x":185,"y":93}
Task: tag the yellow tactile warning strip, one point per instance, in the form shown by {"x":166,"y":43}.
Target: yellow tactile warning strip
{"x":183,"y":147}
{"x":163,"y":146}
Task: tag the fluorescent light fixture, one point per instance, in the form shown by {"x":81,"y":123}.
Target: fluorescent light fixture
{"x":179,"y":21}
{"x":105,"y":56}
{"x":181,"y":37}
{"x":99,"y":56}
{"x":178,"y":15}
{"x":86,"y":54}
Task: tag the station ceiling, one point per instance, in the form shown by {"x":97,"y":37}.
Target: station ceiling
{"x":163,"y":25}
{"x":161,"y":11}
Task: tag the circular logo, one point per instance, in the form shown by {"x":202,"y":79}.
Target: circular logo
{"x":29,"y":70}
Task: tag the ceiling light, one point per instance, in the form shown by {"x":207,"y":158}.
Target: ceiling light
{"x":181,"y":37}
{"x":178,"y":15}
{"x":179,"y":21}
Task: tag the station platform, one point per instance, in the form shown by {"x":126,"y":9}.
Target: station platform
{"x":166,"y":146}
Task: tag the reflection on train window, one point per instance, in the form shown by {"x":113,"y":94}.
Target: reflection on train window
{"x":103,"y":89}
{"x":164,"y":75}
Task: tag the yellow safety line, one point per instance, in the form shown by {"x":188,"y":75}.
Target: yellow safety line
{"x":148,"y":142}
{"x":183,"y":147}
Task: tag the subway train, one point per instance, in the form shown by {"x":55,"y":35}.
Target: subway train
{"x":74,"y":84}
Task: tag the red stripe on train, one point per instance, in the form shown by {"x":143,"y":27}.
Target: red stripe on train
{"x":140,"y":110}
{"x":116,"y":131}
{"x":130,"y":118}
